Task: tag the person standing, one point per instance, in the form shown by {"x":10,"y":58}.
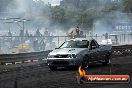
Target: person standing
{"x":77,"y":32}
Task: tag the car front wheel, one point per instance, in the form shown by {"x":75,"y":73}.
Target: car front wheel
{"x":107,"y":60}
{"x":85,"y":62}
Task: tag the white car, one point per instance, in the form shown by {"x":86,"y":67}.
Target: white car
{"x":79,"y":51}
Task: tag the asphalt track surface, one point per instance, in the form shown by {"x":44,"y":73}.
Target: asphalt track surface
{"x":40,"y":76}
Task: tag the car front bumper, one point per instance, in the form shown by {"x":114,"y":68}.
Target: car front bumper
{"x":64,"y":62}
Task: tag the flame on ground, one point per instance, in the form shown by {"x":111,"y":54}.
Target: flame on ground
{"x":81,"y":71}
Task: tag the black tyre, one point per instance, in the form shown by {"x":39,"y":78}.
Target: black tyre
{"x":85,"y":62}
{"x":107,"y":60}
{"x":53,"y":68}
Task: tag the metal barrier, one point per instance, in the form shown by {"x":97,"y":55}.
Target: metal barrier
{"x":7,"y":59}
{"x":121,"y":50}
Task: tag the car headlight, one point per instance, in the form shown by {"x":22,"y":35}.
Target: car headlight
{"x":50,"y":56}
{"x":71,"y":56}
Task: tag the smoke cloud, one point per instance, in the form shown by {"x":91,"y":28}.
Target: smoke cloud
{"x":35,"y":11}
{"x":39,"y":12}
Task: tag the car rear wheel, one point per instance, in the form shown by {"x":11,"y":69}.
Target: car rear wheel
{"x":53,"y":68}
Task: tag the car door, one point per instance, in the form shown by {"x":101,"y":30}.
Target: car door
{"x":99,"y":51}
{"x":93,"y":51}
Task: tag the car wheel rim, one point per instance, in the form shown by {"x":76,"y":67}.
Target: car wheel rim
{"x":85,"y":64}
{"x":109,"y":61}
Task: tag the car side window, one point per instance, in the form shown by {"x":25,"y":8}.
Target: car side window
{"x":93,"y":45}
{"x":96,"y":44}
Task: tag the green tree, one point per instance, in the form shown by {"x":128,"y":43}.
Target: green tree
{"x":86,"y":18}
{"x":58,"y":14}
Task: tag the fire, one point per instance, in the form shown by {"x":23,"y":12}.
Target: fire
{"x":81,"y":71}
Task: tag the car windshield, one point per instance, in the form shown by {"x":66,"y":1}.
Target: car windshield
{"x":75,"y":44}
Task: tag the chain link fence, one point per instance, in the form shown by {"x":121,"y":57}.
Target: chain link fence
{"x":23,"y":44}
